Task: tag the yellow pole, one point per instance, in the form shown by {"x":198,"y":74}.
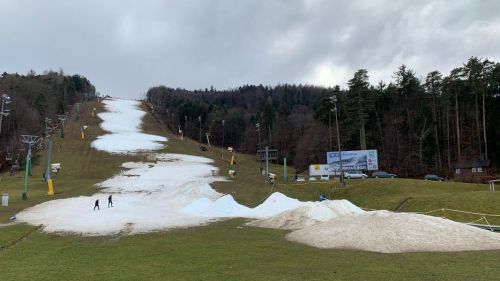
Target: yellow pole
{"x":51,"y":187}
{"x":232,"y":159}
{"x":83,"y":135}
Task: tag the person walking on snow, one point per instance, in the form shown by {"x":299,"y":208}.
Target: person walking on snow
{"x":96,"y":204}
{"x":110,"y":200}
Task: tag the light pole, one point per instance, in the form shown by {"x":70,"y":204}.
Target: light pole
{"x":185,"y":126}
{"x":4,"y":112}
{"x":77,"y":107}
{"x":199,"y":119}
{"x":173,"y":121}
{"x":257,"y":125}
{"x":333,"y":100}
{"x":222,"y":146}
{"x":207,"y":134}
{"x":330,"y":127}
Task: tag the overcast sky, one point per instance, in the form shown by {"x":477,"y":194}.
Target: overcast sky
{"x":125,"y":47}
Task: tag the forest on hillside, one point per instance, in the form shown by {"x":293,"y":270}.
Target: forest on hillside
{"x":29,"y":101}
{"x":417,"y":125}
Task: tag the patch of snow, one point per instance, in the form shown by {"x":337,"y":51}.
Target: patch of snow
{"x":123,"y":121}
{"x":179,"y":157}
{"x":147,"y":201}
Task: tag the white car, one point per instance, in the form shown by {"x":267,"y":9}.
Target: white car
{"x":355,"y":175}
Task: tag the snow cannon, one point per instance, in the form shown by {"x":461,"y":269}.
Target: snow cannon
{"x":84,"y":127}
{"x":271,"y":178}
{"x":232,"y":174}
{"x":55,"y":167}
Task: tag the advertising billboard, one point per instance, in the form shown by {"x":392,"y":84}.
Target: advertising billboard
{"x":321,"y":170}
{"x":354,"y":160}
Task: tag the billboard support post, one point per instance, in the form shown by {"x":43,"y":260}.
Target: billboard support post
{"x":257,"y":126}
{"x":267,"y":161}
{"x":285,"y":172}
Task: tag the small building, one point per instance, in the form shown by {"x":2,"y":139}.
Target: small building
{"x":472,"y":170}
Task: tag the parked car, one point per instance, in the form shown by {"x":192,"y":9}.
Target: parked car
{"x":355,"y":175}
{"x":325,"y":177}
{"x":431,"y":177}
{"x":382,"y":174}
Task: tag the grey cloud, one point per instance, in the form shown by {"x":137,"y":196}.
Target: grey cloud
{"x":124,"y":47}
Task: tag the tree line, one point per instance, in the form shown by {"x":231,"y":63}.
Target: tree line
{"x":418,"y":125}
{"x":32,"y":99}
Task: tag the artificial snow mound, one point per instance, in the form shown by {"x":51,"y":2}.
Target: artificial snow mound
{"x":275,"y":204}
{"x":227,"y":207}
{"x":388,"y":232}
{"x":223,"y":207}
{"x":311,"y":213}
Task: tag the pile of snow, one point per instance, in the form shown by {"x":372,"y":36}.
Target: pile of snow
{"x":342,"y":207}
{"x":310,"y":213}
{"x":223,"y":207}
{"x":275,"y":204}
{"x":388,"y":232}
{"x":123,"y":120}
{"x":227,"y":207}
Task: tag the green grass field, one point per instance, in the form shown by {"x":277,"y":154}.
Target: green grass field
{"x":227,"y":250}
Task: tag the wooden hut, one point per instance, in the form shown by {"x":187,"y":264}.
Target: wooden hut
{"x":472,"y":170}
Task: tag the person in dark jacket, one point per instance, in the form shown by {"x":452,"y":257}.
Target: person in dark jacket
{"x":322,"y":197}
{"x":110,"y":200}
{"x":96,"y":205}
